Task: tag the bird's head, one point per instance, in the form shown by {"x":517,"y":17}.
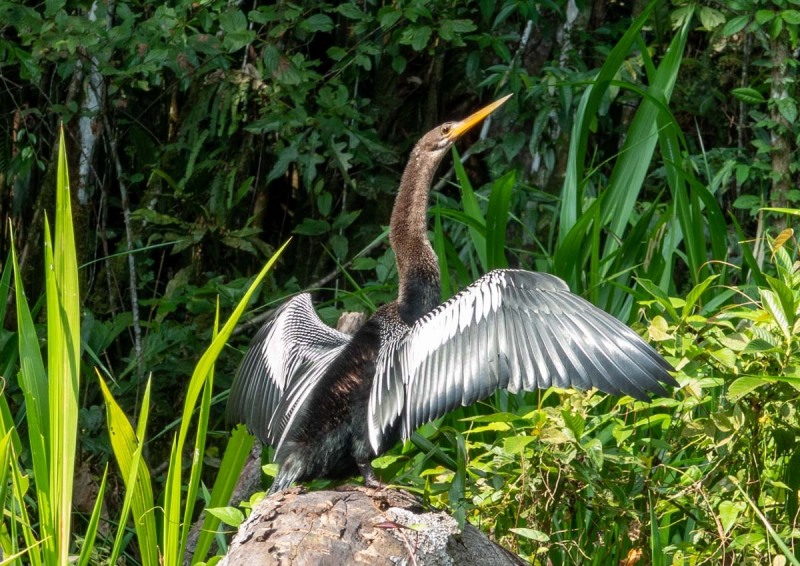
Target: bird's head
{"x":439,"y":139}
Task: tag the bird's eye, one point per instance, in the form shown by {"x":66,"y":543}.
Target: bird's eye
{"x":445,"y":129}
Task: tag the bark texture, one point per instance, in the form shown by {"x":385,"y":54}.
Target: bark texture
{"x":355,"y":525}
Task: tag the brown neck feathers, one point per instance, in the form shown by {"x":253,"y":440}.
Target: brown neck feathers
{"x":417,"y":265}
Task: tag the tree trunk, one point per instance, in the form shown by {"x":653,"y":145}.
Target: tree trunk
{"x":780,"y":135}
{"x":357,"y":525}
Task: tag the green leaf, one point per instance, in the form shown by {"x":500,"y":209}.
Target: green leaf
{"x":587,"y":109}
{"x":63,"y":359}
{"x":516,"y":444}
{"x":725,"y":356}
{"x":594,"y":450}
{"x":748,"y":95}
{"x":574,"y":422}
{"x":744,"y":385}
{"x":473,"y":210}
{"x":729,"y":512}
{"x":94,"y":521}
{"x":735,"y":25}
{"x":200,"y":376}
{"x":312,"y":227}
{"x":388,"y":16}
{"x":788,"y":109}
{"x":317,"y":22}
{"x":694,"y":295}
{"x":531,"y":534}
{"x":228,"y":515}
{"x":774,"y":306}
{"x":233,"y":461}
{"x":791,"y":16}
{"x":763,"y":16}
{"x":345,"y":219}
{"x":416,"y":36}
{"x":497,"y":221}
{"x":127,"y":449}
{"x":350,"y":11}
{"x":711,"y":18}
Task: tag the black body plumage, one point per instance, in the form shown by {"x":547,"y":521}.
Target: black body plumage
{"x":329,"y":403}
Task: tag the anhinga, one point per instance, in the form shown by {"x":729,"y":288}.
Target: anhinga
{"x":329,"y":402}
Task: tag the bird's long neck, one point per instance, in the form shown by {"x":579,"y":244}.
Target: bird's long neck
{"x":417,"y":265}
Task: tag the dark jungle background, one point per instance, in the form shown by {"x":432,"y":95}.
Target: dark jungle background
{"x":648,"y":157}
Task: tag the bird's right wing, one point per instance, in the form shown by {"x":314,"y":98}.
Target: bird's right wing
{"x":287,"y":357}
{"x":514,"y":330}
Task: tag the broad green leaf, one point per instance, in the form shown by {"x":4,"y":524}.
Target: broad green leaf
{"x":788,"y":109}
{"x":791,"y":16}
{"x":711,"y":18}
{"x":574,"y":422}
{"x":228,"y":515}
{"x":440,"y":248}
{"x":773,"y":305}
{"x":748,"y":95}
{"x":735,"y":25}
{"x":695,"y":294}
{"x":729,"y":512}
{"x":594,"y":450}
{"x":312,"y":227}
{"x":744,"y":385}
{"x":516,"y":444}
{"x":531,"y":534}
{"x":127,"y":447}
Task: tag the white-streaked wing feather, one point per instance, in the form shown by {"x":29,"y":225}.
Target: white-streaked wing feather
{"x":510,"y":329}
{"x":287,"y":357}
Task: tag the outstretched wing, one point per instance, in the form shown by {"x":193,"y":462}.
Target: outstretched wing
{"x":287,"y":357}
{"x":514,"y":330}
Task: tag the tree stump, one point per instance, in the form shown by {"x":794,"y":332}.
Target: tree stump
{"x":357,"y":525}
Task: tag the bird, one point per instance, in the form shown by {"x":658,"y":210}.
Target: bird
{"x":329,"y":403}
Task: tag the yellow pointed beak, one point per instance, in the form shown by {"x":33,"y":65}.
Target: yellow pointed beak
{"x":458,"y":129}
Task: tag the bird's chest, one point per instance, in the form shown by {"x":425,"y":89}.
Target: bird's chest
{"x":343,"y":393}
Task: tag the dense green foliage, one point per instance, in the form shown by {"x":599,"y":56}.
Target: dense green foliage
{"x":648,"y":157}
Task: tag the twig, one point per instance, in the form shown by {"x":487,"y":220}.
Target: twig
{"x":126,"y":215}
{"x":264,"y":316}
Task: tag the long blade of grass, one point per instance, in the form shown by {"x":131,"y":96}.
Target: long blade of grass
{"x":787,"y":552}
{"x":630,"y":171}
{"x":5,"y":460}
{"x":497,"y":220}
{"x":199,"y":450}
{"x":21,"y":483}
{"x":171,"y":527}
{"x":33,"y":383}
{"x":440,"y":248}
{"x":230,"y":469}
{"x":571,"y":195}
{"x":127,"y":446}
{"x":94,"y":521}
{"x":172,"y":489}
{"x":63,"y":359}
{"x":472,"y":209}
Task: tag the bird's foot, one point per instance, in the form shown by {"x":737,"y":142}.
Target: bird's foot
{"x":370,"y":479}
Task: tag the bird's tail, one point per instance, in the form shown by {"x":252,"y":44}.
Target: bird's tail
{"x":289,"y":473}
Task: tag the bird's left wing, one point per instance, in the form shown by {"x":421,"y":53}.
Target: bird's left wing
{"x":287,"y":357}
{"x":514,"y":330}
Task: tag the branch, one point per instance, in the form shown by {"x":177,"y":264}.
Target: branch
{"x":126,"y":214}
